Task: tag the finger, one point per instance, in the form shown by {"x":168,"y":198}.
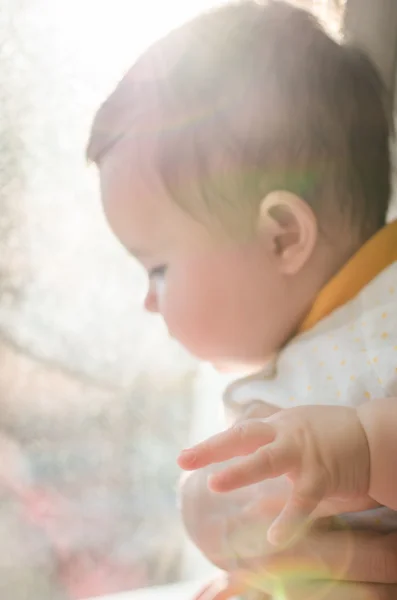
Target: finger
{"x":266,"y":463}
{"x":242,"y":439}
{"x":222,"y":588}
{"x":343,"y":555}
{"x":295,"y":516}
{"x":202,"y":593}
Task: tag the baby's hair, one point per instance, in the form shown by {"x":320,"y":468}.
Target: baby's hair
{"x":253,"y":97}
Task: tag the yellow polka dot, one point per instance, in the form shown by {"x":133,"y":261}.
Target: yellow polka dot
{"x":329,"y":378}
{"x":367,"y":395}
{"x":369,"y":362}
{"x":322,"y":363}
{"x":309,"y":388}
{"x":292,"y":399}
{"x":378,"y":522}
{"x":392,"y":289}
{"x":338,"y":394}
{"x":375,"y":360}
{"x":384,"y":316}
{"x":380,"y":381}
{"x":336,"y":348}
{"x":343,"y":363}
{"x":384,"y":335}
{"x":352,"y":378}
{"x":395,"y":348}
{"x":315,"y":349}
{"x":357,"y":340}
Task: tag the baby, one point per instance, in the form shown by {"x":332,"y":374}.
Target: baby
{"x":244,"y":161}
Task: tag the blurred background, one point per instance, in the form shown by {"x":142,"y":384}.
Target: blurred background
{"x":95,"y":400}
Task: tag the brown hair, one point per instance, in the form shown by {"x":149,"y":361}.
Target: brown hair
{"x":252,"y":97}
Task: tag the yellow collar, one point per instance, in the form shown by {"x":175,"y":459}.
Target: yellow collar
{"x":372,"y":258}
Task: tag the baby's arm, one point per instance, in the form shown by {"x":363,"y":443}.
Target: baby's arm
{"x":379,"y":420}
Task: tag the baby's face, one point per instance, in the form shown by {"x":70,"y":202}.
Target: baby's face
{"x":222,"y":299}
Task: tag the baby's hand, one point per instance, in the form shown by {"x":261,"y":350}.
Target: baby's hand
{"x":322,"y":449}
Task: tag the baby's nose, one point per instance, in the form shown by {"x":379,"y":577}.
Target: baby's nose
{"x":151,"y":302}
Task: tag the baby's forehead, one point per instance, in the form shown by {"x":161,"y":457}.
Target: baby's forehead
{"x":137,"y":204}
{"x":128,"y":171}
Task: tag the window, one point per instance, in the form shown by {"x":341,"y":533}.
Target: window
{"x":95,"y":400}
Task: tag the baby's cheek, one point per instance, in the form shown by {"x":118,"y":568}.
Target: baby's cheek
{"x":192,"y":315}
{"x":183,"y":323}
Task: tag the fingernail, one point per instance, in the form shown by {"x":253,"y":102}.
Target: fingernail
{"x":188,"y":455}
{"x":285,"y":535}
{"x":190,"y":452}
{"x":213,"y":483}
{"x":281,"y":536}
{"x":274,"y":538}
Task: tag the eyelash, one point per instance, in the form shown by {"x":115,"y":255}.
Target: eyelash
{"x":157,"y":271}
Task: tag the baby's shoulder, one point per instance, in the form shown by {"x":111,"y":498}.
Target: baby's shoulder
{"x":347,"y":358}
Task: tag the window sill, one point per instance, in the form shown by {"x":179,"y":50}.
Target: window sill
{"x":178,"y":591}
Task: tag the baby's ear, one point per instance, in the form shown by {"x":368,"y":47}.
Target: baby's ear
{"x":289,"y":227}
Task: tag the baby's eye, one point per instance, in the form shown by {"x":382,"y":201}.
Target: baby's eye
{"x":157,"y":272}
